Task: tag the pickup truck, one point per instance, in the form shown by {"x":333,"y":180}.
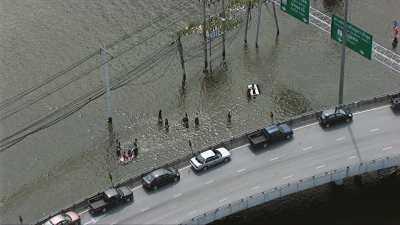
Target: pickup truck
{"x":395,"y":100}
{"x":269,"y":135}
{"x":109,"y":199}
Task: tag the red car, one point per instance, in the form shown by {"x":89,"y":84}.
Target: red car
{"x":68,"y":218}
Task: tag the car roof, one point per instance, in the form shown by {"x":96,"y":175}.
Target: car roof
{"x":111,"y":192}
{"x":207,"y":154}
{"x":332,"y":111}
{"x":159,"y":172}
{"x":56,"y":219}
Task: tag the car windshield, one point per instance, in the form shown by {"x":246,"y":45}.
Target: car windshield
{"x":200,"y":159}
{"x":67,"y":217}
{"x":149,"y":177}
{"x":48,"y":223}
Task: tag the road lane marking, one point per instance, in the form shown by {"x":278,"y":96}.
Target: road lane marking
{"x":90,"y":221}
{"x":308,"y":125}
{"x":374,"y":130}
{"x":287,"y":177}
{"x":368,"y":110}
{"x":352,"y":157}
{"x":241,"y":170}
{"x":183,"y":168}
{"x":387,"y":148}
{"x":145,"y":209}
{"x":177,"y":195}
{"x":340,"y":138}
{"x":222,"y":200}
{"x":87,"y":210}
{"x":210,"y":182}
{"x":255,"y":187}
{"x":137,"y":187}
{"x":274,"y":159}
{"x":320,"y":167}
{"x":307,"y":148}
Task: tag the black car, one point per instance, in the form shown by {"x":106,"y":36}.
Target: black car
{"x":331,"y":117}
{"x":160,"y":177}
{"x":395,"y":102}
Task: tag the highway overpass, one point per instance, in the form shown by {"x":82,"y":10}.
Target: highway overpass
{"x":315,"y":156}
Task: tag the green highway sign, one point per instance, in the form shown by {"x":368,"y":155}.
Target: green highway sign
{"x":297,"y":8}
{"x":357,"y":39}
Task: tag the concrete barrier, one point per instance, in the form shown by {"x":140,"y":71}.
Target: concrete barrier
{"x":288,"y":189}
{"x":305,"y":184}
{"x":255,"y":200}
{"x":238,"y":206}
{"x":223,"y":211}
{"x":322,"y":179}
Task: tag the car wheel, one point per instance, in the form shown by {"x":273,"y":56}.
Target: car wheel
{"x":176,"y":179}
{"x":327,"y":125}
{"x":205,"y":168}
{"x":227,"y":159}
{"x":103,"y":210}
{"x":155,"y":187}
{"x":348,"y":120}
{"x":288,"y":137}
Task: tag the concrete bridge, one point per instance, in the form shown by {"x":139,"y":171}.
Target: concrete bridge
{"x":314,"y":157}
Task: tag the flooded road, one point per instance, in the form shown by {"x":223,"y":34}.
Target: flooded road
{"x":67,"y":161}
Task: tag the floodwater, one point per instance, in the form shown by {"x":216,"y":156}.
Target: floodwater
{"x":49,"y":73}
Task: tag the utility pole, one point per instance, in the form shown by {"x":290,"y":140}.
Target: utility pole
{"x":205,"y":38}
{"x":106,"y":80}
{"x":258,"y":21}
{"x":343,"y":60}
{"x":180,"y":50}
{"x":223,"y":31}
{"x":276,"y":18}
{"x":247,"y":22}
{"x":209,"y":37}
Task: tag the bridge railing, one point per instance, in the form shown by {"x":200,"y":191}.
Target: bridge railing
{"x":294,"y":187}
{"x":230,"y":143}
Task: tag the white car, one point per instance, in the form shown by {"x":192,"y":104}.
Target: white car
{"x":209,"y":158}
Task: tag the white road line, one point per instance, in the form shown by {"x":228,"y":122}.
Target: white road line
{"x":255,"y":187}
{"x":307,"y":148}
{"x":369,"y":110}
{"x":87,"y":210}
{"x":387,"y":148}
{"x":241,"y":170}
{"x":183,"y":168}
{"x":320,"y":167}
{"x":137,"y":187}
{"x":210,"y":182}
{"x":145,"y":209}
{"x":340,"y":138}
{"x":287,"y":177}
{"x":374,"y":130}
{"x":274,"y":159}
{"x":352,"y":157}
{"x":177,"y":195}
{"x":222,"y":200}
{"x":308,"y":125}
{"x":90,"y":221}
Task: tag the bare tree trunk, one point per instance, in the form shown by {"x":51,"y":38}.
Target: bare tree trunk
{"x":205,"y":38}
{"x":276,"y":19}
{"x":223,"y":32}
{"x":258,"y":21}
{"x":180,"y":50}
{"x":247,"y":23}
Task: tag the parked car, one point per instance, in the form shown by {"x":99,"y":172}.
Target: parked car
{"x":210,"y":158}
{"x":269,"y":135}
{"x":395,"y":102}
{"x":68,"y":218}
{"x":160,"y":177}
{"x":110,"y":198}
{"x":331,"y":117}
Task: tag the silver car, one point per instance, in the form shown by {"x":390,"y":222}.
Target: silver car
{"x":209,"y":158}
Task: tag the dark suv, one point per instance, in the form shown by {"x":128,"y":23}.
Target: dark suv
{"x":160,"y":177}
{"x":331,"y":117}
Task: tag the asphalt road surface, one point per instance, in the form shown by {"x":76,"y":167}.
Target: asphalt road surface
{"x":313,"y":150}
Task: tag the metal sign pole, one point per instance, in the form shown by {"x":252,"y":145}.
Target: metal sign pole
{"x":343,"y":60}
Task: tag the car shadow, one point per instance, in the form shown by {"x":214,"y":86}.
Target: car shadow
{"x":271,"y":147}
{"x":202,"y":172}
{"x":336,"y":126}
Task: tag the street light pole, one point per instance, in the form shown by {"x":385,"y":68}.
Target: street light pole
{"x":343,"y":59}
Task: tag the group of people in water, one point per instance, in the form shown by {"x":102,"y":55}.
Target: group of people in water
{"x":129,"y":154}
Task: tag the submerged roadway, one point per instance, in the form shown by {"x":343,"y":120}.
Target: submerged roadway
{"x":373,"y":134}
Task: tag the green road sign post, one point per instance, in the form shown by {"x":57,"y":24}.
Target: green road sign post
{"x":299,"y":9}
{"x":357,"y":39}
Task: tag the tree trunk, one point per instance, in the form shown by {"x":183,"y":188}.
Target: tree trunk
{"x":205,"y":38}
{"x":223,"y":32}
{"x":180,"y":50}
{"x":247,"y":23}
